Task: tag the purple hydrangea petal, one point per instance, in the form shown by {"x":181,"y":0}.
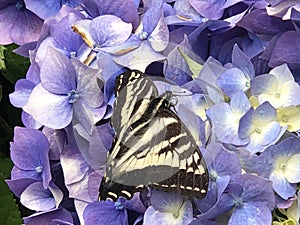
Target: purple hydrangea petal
{"x":27,"y":29}
{"x":258,"y":21}
{"x":153,"y":13}
{"x":139,"y":58}
{"x":57,"y":73}
{"x":65,"y":36}
{"x":18,"y":26}
{"x":51,"y":110}
{"x":98,"y":213}
{"x":87,"y":86}
{"x":35,"y":197}
{"x":211,"y":9}
{"x":35,"y":146}
{"x":126,"y":10}
{"x":48,"y":217}
{"x":17,"y":186}
{"x":169,"y":209}
{"x":109,"y":30}
{"x":159,"y":38}
{"x":251,"y":213}
{"x":282,"y":187}
{"x":22,"y":92}
{"x":28,"y":121}
{"x":286,"y":50}
{"x":7,"y":17}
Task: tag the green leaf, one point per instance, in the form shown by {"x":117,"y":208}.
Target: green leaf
{"x":2,"y":63}
{"x":16,"y":65}
{"x":0,"y":92}
{"x":193,"y":65}
{"x":9,"y":211}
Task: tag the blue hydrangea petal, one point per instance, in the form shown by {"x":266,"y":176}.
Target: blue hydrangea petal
{"x":177,"y":69}
{"x":224,"y":124}
{"x":286,"y":50}
{"x":168,"y":208}
{"x":159,"y":38}
{"x":233,"y":80}
{"x":153,"y":12}
{"x":264,"y":84}
{"x":246,"y":126}
{"x":239,"y":104}
{"x":282,"y":187}
{"x":84,"y":115}
{"x":53,"y":111}
{"x":241,"y":61}
{"x":251,"y":213}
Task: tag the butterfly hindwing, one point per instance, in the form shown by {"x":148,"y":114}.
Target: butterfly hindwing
{"x":152,"y":146}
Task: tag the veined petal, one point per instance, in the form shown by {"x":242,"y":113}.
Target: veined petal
{"x":109,"y":30}
{"x":159,"y":38}
{"x":282,"y":187}
{"x":53,"y":111}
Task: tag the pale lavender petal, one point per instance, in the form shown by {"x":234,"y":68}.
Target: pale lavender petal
{"x":87,"y":85}
{"x":57,"y":73}
{"x":35,"y":197}
{"x":232,"y":81}
{"x":251,"y":213}
{"x":53,"y":111}
{"x":22,"y":92}
{"x":109,"y":30}
{"x":282,"y":187}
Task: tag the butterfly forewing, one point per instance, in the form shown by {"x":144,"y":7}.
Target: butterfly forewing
{"x":133,"y":94}
{"x":152,"y":146}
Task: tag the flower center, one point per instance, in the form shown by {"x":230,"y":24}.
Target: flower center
{"x":20,"y":5}
{"x":73,"y":96}
{"x":238,"y":202}
{"x":285,"y":118}
{"x":282,"y":166}
{"x":39,"y":169}
{"x":257,"y":130}
{"x":277,"y":95}
{"x":119,"y":206}
{"x":143,"y":35}
{"x":213,"y":175}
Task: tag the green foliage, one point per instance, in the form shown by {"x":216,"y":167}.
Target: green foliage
{"x":2,"y":62}
{"x":12,"y":68}
{"x":15,"y":66}
{"x":9,"y":211}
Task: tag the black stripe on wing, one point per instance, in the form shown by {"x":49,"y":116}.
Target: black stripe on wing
{"x":157,"y":151}
{"x":134,"y":92}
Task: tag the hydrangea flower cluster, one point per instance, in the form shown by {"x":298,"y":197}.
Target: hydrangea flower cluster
{"x":239,"y":61}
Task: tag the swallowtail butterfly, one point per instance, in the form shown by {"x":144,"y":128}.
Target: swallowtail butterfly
{"x":152,"y":146}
